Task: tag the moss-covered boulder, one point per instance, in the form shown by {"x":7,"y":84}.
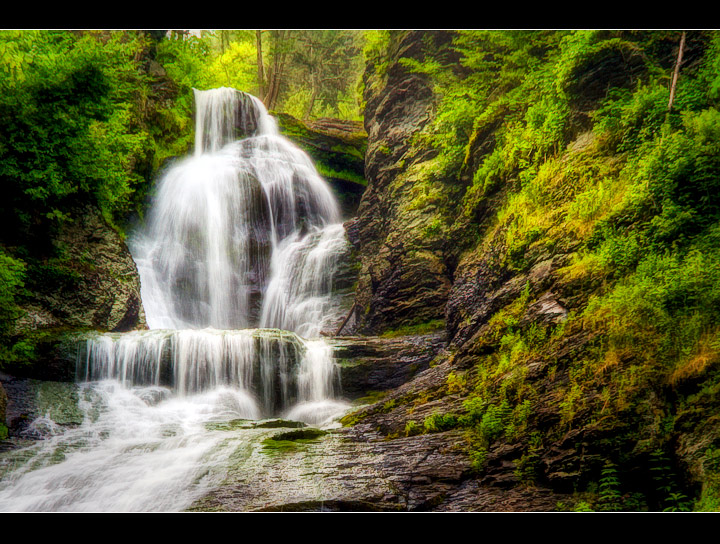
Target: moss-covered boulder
{"x":337,"y":148}
{"x":92,"y":284}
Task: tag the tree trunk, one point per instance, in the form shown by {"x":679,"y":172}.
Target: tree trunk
{"x":260,"y":67}
{"x":677,"y":71}
{"x":276,"y":72}
{"x":313,"y":97}
{"x":223,"y":40}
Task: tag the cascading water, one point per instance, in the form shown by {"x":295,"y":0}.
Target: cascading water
{"x":244,"y":218}
{"x":236,"y":264}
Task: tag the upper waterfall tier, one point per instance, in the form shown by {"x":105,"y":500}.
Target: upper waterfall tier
{"x":233,"y":228}
{"x":225,"y":115}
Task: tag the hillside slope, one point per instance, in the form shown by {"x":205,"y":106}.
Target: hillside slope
{"x":536,"y":195}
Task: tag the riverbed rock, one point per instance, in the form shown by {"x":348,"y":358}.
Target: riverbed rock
{"x":363,"y":468}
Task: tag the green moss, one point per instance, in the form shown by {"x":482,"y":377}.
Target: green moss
{"x":348,"y":175}
{"x":371,"y":397}
{"x":353,"y":418}
{"x":415,"y":329}
{"x":292,"y":441}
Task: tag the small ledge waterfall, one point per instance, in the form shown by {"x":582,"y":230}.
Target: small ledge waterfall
{"x":236,"y":262}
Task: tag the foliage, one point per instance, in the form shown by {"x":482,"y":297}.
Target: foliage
{"x":528,"y":468}
{"x":316,"y":72}
{"x":12,"y":275}
{"x":199,"y":62}
{"x":412,"y":428}
{"x":609,"y":496}
{"x":12,"y":272}
{"x":709,"y":500}
{"x":81,"y":124}
{"x":436,"y":423}
{"x":562,"y":145}
{"x":672,"y":498}
{"x":74,"y":113}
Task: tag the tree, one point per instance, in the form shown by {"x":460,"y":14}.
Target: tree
{"x":676,"y":73}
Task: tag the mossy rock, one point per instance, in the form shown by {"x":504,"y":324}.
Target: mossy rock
{"x":232,"y":425}
{"x":309,"y":433}
{"x":278,"y":423}
{"x":239,"y":424}
{"x":60,"y":401}
{"x":291,"y":441}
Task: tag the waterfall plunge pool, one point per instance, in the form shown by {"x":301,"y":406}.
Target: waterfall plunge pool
{"x":165,"y":413}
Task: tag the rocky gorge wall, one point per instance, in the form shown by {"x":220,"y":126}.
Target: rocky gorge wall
{"x":509,"y":375}
{"x":404,"y":279}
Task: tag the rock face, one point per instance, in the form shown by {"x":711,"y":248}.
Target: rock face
{"x":337,"y":148}
{"x":404,"y":279}
{"x":104,"y":293}
{"x":373,"y":364}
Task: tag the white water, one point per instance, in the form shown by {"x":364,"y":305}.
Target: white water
{"x":242,"y":237}
{"x":140,"y":449}
{"x":231,"y":221}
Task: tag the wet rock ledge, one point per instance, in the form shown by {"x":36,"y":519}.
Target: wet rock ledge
{"x":371,"y":464}
{"x":371,"y":364}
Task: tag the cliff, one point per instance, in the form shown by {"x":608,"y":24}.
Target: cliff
{"x":541,"y":240}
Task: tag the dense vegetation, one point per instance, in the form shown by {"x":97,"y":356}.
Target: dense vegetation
{"x":566,"y":145}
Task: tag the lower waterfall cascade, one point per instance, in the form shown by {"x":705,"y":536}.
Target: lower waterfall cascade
{"x":236,"y":260}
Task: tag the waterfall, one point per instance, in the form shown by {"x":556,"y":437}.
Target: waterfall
{"x":236,"y":262}
{"x":244,"y":233}
{"x":278,"y":368}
